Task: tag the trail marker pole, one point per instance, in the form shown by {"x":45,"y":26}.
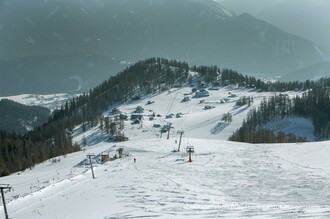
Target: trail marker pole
{"x":181,"y":133}
{"x":2,"y":187}
{"x":90,"y":161}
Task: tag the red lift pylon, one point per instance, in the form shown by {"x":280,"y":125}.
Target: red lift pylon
{"x":190,"y":150}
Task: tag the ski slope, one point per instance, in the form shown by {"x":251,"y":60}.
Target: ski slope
{"x":198,"y":122}
{"x":224,"y":180}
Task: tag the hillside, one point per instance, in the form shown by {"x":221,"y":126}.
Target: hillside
{"x":201,"y":117}
{"x":19,"y":118}
{"x":211,"y":89}
{"x":312,"y":72}
{"x":287,"y":14}
{"x":71,"y":46}
{"x":27,"y":111}
{"x":225,"y":179}
{"x":51,"y":101}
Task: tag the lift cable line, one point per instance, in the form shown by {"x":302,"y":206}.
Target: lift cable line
{"x":3,"y":187}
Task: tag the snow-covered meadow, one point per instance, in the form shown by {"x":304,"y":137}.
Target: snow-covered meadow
{"x":50,"y":101}
{"x":224,"y":180}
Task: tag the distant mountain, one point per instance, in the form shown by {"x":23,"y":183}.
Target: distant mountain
{"x":39,"y":38}
{"x":19,"y":118}
{"x":314,"y":72}
{"x":308,"y":19}
{"x":46,"y":74}
{"x":51,"y":101}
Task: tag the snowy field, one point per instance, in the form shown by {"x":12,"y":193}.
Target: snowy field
{"x":224,"y":180}
{"x":51,"y":101}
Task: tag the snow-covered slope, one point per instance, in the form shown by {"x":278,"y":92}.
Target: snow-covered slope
{"x":51,"y":101}
{"x":224,"y":180}
{"x":195,"y":120}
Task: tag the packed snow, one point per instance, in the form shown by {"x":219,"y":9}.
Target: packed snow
{"x":224,"y":180}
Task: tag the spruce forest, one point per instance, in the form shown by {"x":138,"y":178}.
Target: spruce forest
{"x":154,"y":75}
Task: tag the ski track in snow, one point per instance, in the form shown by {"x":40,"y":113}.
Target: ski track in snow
{"x":250,"y":179}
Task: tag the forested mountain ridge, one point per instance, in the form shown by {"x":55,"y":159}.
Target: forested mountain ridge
{"x":151,"y":77}
{"x":55,"y":137}
{"x":155,"y":74}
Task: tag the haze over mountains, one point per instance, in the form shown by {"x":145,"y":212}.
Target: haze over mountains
{"x":308,"y":19}
{"x":71,"y":46}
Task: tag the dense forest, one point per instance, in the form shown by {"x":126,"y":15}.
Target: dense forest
{"x":18,"y":153}
{"x":151,"y":76}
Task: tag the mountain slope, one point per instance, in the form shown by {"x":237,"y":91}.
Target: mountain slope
{"x":52,"y":101}
{"x":47,"y":74}
{"x":20,"y":118}
{"x":225,"y":179}
{"x":314,"y":72}
{"x":309,"y":19}
{"x":200,"y":32}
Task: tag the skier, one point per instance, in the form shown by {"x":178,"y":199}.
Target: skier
{"x":134,"y":160}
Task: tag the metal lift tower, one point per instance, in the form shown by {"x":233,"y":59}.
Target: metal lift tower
{"x":3,"y":187}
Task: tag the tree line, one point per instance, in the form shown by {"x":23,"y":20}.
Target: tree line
{"x":19,"y":152}
{"x":313,"y":103}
